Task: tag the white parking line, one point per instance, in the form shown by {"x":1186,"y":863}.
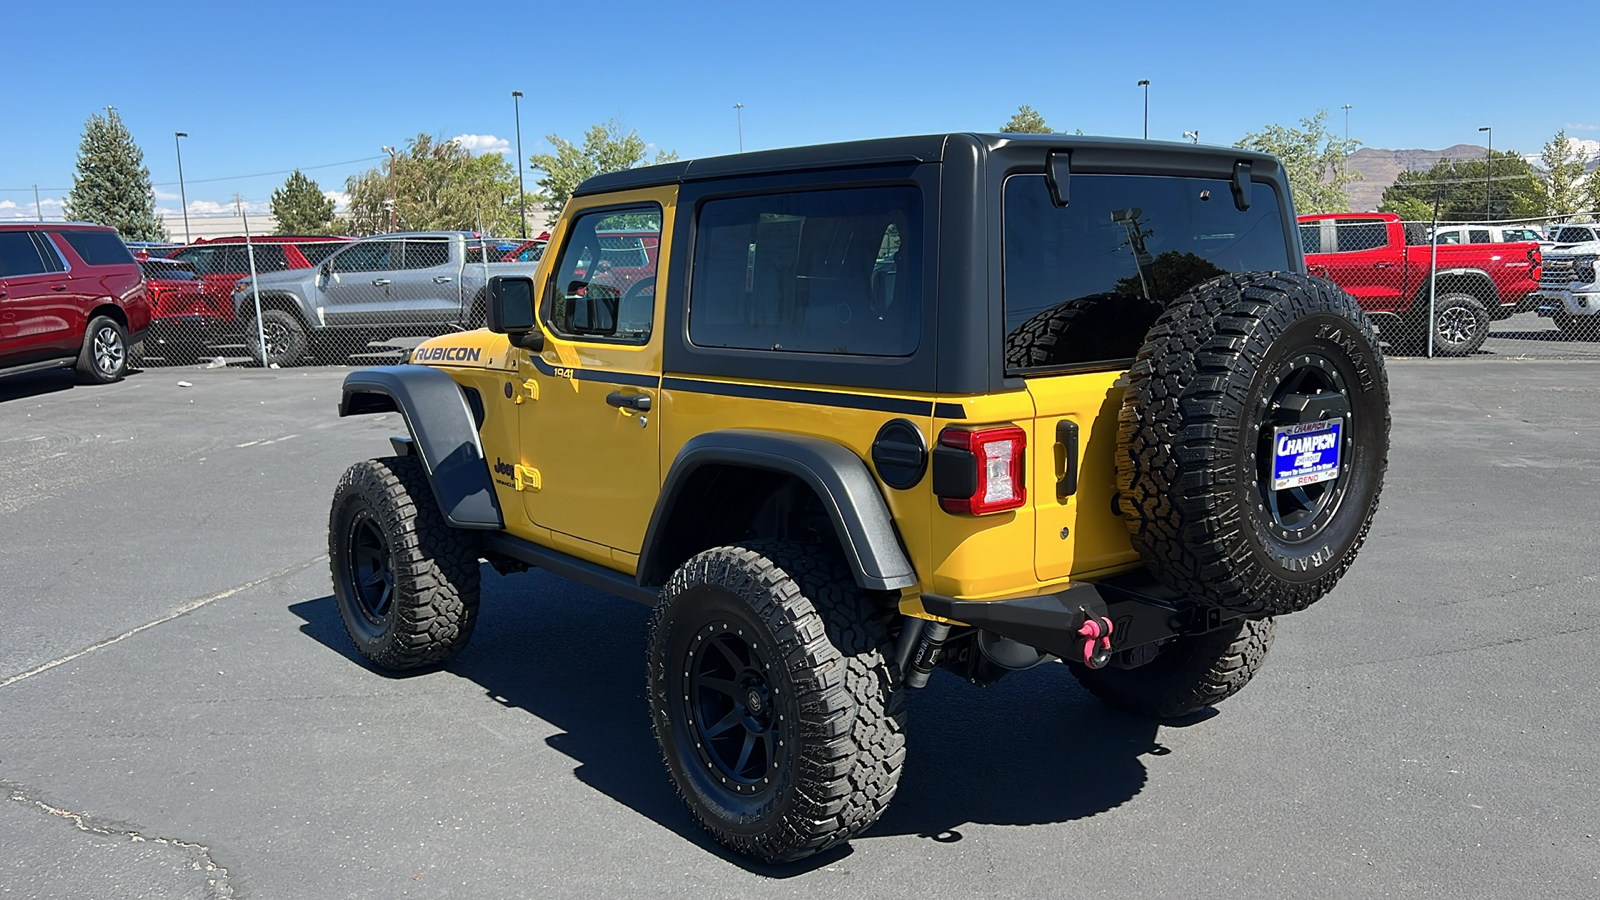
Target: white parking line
{"x":186,"y":608}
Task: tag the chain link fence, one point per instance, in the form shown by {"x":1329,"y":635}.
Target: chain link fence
{"x":1457,"y":289}
{"x":1448,"y":289}
{"x":289,"y":301}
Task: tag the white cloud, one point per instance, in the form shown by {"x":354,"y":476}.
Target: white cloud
{"x":480,"y":144}
{"x":11,"y":210}
{"x":165,"y":195}
{"x":7,"y":204}
{"x":341,"y":200}
{"x":1592,"y":147}
{"x":1578,"y":126}
{"x":214,"y":209}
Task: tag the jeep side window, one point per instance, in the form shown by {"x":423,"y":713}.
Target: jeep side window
{"x":604,"y":284}
{"x":835,"y":271}
{"x":1107,"y":263}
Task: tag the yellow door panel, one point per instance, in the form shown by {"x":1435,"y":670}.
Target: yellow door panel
{"x":589,"y":465}
{"x":1077,"y":533}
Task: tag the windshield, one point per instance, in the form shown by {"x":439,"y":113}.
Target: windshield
{"x":1126,"y":246}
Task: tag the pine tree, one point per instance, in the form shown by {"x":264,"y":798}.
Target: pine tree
{"x":112,"y":184}
{"x":1026,"y":120}
{"x":300,"y":207}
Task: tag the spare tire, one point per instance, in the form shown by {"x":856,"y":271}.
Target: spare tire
{"x":1099,"y":326}
{"x":1245,"y":390}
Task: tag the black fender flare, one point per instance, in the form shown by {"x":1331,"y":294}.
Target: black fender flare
{"x":839,"y":477}
{"x":444,"y":432}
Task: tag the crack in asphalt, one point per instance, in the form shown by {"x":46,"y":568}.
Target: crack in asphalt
{"x":218,"y":885}
{"x":186,"y":608}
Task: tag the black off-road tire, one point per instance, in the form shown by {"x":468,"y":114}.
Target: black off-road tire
{"x":1100,"y":326}
{"x":286,"y":337}
{"x":103,"y":359}
{"x":1460,"y":325}
{"x":1189,"y":675}
{"x":809,"y":684}
{"x":1195,"y":441}
{"x":405,"y":581}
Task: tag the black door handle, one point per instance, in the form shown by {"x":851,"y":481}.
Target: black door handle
{"x":1067,"y":437}
{"x":638,"y":402}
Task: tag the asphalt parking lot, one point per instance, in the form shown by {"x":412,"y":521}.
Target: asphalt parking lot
{"x":181,"y":714}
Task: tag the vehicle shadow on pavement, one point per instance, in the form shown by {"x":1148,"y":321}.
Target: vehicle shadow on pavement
{"x":34,"y":384}
{"x":1034,"y":749}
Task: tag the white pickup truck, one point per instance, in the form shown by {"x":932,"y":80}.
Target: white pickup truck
{"x":390,"y":285}
{"x":1569,"y":291}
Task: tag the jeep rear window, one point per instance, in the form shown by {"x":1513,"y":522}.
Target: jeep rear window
{"x":1125,"y":246}
{"x":833,"y":271}
{"x":98,"y":248}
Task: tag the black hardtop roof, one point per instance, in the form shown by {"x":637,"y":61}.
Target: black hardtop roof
{"x":911,"y":149}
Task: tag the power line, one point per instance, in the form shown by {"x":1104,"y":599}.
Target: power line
{"x":347,"y":162}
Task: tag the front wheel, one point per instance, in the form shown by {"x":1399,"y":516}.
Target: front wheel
{"x":104,"y":356}
{"x":405,"y":581}
{"x":1189,"y":675}
{"x":1460,"y":325}
{"x":774,"y":700}
{"x":284,"y":336}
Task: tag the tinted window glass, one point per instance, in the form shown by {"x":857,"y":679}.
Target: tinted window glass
{"x":168,"y":270}
{"x":368,"y":256}
{"x":426,"y":254}
{"x":819,"y":272}
{"x":98,"y":248}
{"x":1449,"y":237}
{"x":1479,"y":236}
{"x":317,"y":251}
{"x":1356,"y":235}
{"x":1125,"y":246}
{"x":593,"y":297}
{"x":1311,"y":238}
{"x":1570,"y":235}
{"x":1514,"y":235}
{"x":20,"y":256}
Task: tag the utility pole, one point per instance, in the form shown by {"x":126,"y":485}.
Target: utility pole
{"x":182,"y":195}
{"x":1488,"y":179}
{"x":1344,"y":163}
{"x":1145,"y":83}
{"x":393,"y":161}
{"x":522,"y":191}
{"x":37,"y":206}
{"x":738,"y":110}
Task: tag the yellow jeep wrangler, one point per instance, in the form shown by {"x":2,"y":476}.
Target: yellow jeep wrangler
{"x":848,"y":414}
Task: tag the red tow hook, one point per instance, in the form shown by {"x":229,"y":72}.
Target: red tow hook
{"x":1096,"y":634}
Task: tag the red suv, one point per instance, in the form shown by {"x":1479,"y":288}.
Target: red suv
{"x":220,"y":263}
{"x":70,"y":295}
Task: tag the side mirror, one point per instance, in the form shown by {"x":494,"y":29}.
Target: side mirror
{"x":510,"y":311}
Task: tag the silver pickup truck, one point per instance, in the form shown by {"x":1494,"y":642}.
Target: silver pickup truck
{"x":389,"y":285}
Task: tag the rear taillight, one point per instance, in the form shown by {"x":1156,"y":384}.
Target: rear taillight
{"x":979,"y":471}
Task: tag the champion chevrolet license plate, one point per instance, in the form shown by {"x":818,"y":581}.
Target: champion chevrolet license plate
{"x":1305,"y":454}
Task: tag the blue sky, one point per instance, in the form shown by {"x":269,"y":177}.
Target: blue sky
{"x":267,"y":87}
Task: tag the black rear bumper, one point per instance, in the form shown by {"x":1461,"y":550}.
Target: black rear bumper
{"x":1143,"y":612}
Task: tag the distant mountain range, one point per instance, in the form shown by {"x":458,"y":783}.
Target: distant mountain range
{"x":1379,"y":168}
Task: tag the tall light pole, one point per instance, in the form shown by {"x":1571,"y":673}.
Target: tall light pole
{"x":182,"y":195}
{"x":522,"y":192}
{"x":738,"y":110}
{"x":1193,"y":135}
{"x":393,"y":200}
{"x":1145,"y":83}
{"x":1345,"y":162}
{"x":1488,"y":178}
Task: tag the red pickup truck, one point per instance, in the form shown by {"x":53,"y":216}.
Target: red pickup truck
{"x":1369,"y":255}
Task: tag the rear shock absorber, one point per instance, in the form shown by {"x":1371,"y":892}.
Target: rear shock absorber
{"x":928,"y":654}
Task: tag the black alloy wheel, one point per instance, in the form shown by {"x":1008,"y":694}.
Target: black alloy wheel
{"x":371,"y":567}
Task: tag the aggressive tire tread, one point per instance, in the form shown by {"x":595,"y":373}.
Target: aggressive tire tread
{"x":1192,"y":674}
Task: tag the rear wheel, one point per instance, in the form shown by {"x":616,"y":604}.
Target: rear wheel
{"x":773,"y":698}
{"x":1189,"y":675}
{"x":406,"y":582}
{"x":1460,"y":325}
{"x":104,"y":356}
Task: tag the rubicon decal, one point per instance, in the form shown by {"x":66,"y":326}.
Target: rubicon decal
{"x":447,"y":354}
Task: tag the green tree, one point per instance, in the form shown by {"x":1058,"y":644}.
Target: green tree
{"x":1411,"y":209}
{"x":436,"y":184}
{"x":1564,"y":163}
{"x":605,"y":149}
{"x":300,"y":207}
{"x":1314,"y":160}
{"x":112,"y":184}
{"x":1461,"y":188}
{"x":1591,"y":194}
{"x":1026,"y":120}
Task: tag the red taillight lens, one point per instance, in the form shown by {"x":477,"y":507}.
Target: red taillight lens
{"x":981,"y":470}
